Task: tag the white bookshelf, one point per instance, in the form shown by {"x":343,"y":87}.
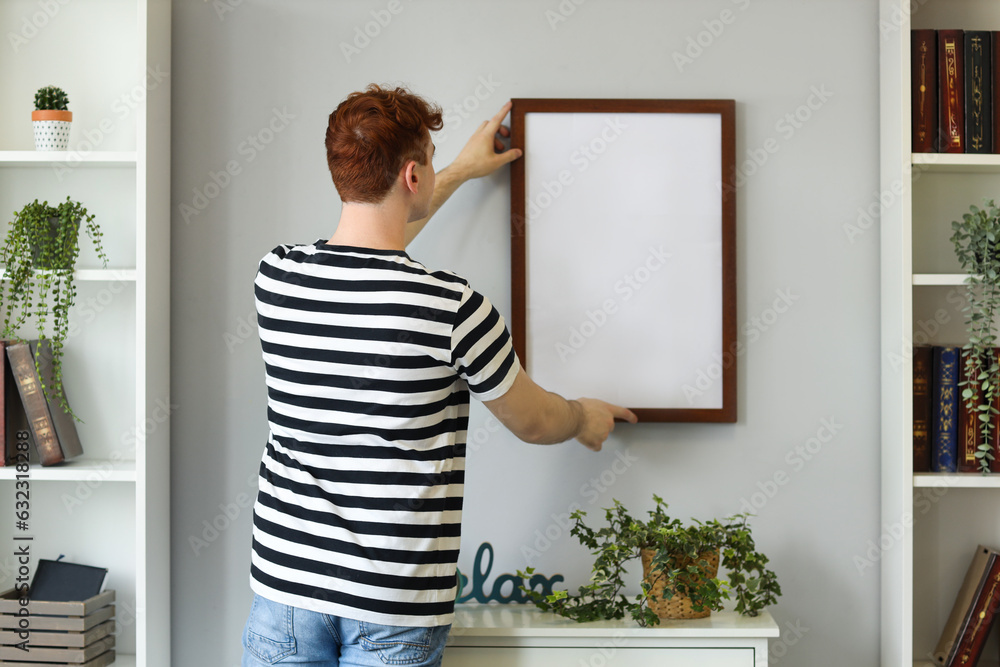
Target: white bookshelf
{"x":931,"y":523}
{"x":109,"y":507}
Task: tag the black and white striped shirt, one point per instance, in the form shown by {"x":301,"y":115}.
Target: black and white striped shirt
{"x":370,"y":359}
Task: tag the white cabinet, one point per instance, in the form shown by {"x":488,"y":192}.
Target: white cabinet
{"x":521,"y":636}
{"x":111,"y":506}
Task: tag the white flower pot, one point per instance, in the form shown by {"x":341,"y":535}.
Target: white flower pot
{"x":51,"y":129}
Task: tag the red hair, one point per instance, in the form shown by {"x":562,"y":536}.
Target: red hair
{"x":371,"y":135}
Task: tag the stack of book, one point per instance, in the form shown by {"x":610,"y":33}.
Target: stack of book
{"x":52,"y":429}
{"x":64,"y":618}
{"x":946,"y":431}
{"x":955,"y":80}
{"x":974,"y":612}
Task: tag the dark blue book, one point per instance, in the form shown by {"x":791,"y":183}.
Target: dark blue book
{"x":944,"y":408}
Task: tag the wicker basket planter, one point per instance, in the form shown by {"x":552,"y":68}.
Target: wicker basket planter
{"x":678,"y":606}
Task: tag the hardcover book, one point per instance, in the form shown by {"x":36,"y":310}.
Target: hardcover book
{"x":972,"y":615}
{"x":12,"y":417}
{"x":951,"y":90}
{"x":978,"y":91}
{"x":923,"y":360}
{"x":65,"y":425}
{"x":923,"y":88}
{"x":944,"y":409}
{"x":969,"y":428}
{"x":39,"y":421}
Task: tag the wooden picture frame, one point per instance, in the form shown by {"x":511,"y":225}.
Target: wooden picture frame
{"x":623,"y":252}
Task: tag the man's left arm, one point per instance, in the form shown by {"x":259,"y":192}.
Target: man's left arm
{"x":482,"y":155}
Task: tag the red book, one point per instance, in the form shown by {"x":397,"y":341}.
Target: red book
{"x":923,"y":89}
{"x":969,"y":429}
{"x":951,"y":90}
{"x":964,"y":633}
{"x":923,"y":363}
{"x":979,"y":621}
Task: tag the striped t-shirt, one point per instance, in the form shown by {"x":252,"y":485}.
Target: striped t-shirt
{"x":370,"y":359}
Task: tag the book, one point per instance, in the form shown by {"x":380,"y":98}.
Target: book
{"x":969,"y":433}
{"x":944,"y":409}
{"x":964,"y":634}
{"x":978,"y":91}
{"x":62,"y":581}
{"x":923,"y":360}
{"x":39,"y":420}
{"x":923,"y":88}
{"x":65,"y":425}
{"x":951,"y":91}
{"x":12,"y":418}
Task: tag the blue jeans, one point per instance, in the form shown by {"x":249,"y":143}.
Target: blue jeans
{"x":279,"y":634}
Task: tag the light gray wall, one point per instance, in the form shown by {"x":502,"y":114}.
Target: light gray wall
{"x":812,"y":364}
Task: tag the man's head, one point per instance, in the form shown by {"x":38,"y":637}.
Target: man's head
{"x":374,"y":134}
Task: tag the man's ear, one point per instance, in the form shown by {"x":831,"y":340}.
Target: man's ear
{"x":410,"y":176}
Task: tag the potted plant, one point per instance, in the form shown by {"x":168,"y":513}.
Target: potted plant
{"x":680,"y":568}
{"x":977,"y":244}
{"x":39,"y":256}
{"x":51,"y":119}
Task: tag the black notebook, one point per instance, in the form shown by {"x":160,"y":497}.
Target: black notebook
{"x":61,"y":581}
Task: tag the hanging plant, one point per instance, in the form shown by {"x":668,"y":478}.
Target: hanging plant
{"x":977,"y":245}
{"x":39,"y":257}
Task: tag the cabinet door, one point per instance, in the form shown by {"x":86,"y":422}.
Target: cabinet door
{"x":598,"y":656}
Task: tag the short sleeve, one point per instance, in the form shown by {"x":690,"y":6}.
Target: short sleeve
{"x":482,"y":349}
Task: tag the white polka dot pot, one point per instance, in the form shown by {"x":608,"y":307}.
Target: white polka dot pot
{"x":51,"y":129}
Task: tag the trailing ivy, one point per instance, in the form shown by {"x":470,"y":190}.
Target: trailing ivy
{"x":678,"y":549}
{"x":39,"y":256}
{"x":977,"y":241}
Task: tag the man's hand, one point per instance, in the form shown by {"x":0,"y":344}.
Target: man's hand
{"x":484,"y":152}
{"x":544,"y":418}
{"x":599,"y":421}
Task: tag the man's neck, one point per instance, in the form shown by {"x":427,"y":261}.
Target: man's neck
{"x":378,"y":226}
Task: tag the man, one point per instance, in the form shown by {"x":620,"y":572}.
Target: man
{"x":370,"y":359}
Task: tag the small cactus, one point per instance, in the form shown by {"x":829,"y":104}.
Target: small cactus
{"x":52,"y":98}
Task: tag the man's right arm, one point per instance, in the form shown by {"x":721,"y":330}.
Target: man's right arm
{"x":542,"y":417}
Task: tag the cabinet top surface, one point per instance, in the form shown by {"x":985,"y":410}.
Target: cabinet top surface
{"x":525,"y":620}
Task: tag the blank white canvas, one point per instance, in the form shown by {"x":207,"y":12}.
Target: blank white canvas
{"x":607,"y":197}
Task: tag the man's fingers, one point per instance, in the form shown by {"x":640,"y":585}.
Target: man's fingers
{"x":624,"y":413}
{"x":498,"y":118}
{"x":509,"y":155}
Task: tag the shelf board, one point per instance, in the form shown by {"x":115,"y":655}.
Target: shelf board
{"x":66,"y":158}
{"x":82,"y":469}
{"x":127,"y":275}
{"x":939,"y":278}
{"x":956,"y":163}
{"x":968,"y":480}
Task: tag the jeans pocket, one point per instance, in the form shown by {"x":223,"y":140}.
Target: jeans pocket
{"x":396,"y":645}
{"x":269,"y":634}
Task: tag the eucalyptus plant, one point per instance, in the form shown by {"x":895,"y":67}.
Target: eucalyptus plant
{"x":51,"y":98}
{"x":39,"y":255}
{"x":678,"y":549}
{"x":977,"y":245}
